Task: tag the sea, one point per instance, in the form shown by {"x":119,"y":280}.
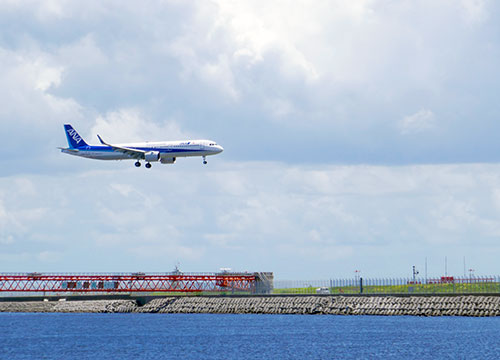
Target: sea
{"x":209,"y":336}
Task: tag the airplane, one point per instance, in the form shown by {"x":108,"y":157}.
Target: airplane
{"x":165,"y":152}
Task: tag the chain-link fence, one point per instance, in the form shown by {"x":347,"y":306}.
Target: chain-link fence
{"x":442,"y":285}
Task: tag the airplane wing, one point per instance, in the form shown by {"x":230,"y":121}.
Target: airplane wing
{"x":134,"y":153}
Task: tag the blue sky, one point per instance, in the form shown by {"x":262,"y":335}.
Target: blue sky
{"x":358,"y":135}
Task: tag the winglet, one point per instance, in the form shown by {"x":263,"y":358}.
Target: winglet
{"x":101,"y":140}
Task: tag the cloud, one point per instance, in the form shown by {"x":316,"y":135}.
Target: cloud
{"x":421,"y":121}
{"x":325,"y":164}
{"x":335,"y":76}
{"x":129,"y":125}
{"x":355,"y":216}
{"x":48,"y":77}
{"x":30,"y":116}
{"x":83,"y":53}
{"x":24,"y":98}
{"x":475,"y":11}
{"x":49,"y":256}
{"x":281,"y":109}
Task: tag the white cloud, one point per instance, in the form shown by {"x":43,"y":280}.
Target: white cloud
{"x":26,"y":79}
{"x":220,"y":76}
{"x":279,"y":216}
{"x":128,"y":125}
{"x":18,"y":222}
{"x":475,"y":11}
{"x":30,"y":116}
{"x":123,"y":189}
{"x":49,"y":256}
{"x":224,"y":241}
{"x":421,"y":121}
{"x":347,"y":68}
{"x":160,"y":252}
{"x":453,"y":214}
{"x":82,"y":53}
{"x":231,"y":35}
{"x":304,"y":84}
{"x":48,"y":77}
{"x":281,"y":108}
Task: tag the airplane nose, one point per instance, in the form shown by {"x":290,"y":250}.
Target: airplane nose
{"x":215,"y":149}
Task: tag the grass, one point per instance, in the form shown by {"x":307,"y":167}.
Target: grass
{"x":449,"y":288}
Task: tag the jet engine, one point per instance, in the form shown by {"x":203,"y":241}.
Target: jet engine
{"x":167,"y":160}
{"x":152,"y":156}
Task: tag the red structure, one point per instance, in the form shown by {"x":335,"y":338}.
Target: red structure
{"x":125,"y":283}
{"x":442,"y":280}
{"x":451,"y":280}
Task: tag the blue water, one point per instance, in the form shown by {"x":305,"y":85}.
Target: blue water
{"x":200,"y":336}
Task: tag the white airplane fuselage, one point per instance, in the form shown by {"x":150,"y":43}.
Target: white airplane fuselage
{"x":166,"y":149}
{"x":165,"y":152}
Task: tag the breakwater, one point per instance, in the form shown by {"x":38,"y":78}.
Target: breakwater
{"x":473,"y":305}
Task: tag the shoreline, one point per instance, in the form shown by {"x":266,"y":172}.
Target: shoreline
{"x":470,"y":305}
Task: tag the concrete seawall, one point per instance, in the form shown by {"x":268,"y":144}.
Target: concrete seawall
{"x":473,"y":305}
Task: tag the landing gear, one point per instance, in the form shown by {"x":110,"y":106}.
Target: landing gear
{"x":204,"y":160}
{"x":138,"y":164}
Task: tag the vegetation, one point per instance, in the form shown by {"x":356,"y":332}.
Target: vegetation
{"x":443,"y":288}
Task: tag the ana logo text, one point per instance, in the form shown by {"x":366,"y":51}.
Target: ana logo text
{"x":74,"y":135}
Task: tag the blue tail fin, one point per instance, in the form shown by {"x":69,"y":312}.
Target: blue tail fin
{"x":74,"y":139}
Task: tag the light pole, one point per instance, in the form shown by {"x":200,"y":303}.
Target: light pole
{"x":415,"y":273}
{"x":471,"y":274}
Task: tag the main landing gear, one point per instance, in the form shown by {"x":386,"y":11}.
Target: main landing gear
{"x":138,"y":164}
{"x":204,"y":160}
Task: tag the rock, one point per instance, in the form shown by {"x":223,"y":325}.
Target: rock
{"x":334,"y":305}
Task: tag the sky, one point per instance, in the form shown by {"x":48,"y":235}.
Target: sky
{"x":358,"y":135}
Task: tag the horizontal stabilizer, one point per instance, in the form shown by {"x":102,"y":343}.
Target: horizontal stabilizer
{"x":69,"y":150}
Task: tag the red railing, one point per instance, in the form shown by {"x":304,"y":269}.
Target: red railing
{"x":451,"y":280}
{"x":138,"y":282}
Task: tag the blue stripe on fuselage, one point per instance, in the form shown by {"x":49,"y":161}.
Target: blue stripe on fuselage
{"x":161,"y":150}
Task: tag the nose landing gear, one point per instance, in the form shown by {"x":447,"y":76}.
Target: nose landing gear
{"x":204,"y":160}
